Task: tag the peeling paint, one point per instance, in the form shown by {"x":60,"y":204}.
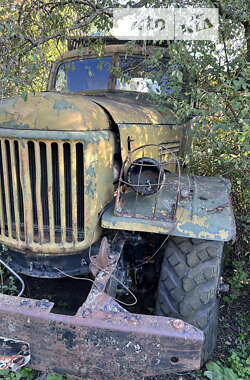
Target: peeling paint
{"x":192,"y":220}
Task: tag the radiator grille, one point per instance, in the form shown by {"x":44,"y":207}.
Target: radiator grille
{"x":41,"y":192}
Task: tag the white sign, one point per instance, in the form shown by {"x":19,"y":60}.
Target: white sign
{"x":165,"y":23}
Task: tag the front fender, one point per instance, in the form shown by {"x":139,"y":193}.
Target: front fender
{"x":205,"y":212}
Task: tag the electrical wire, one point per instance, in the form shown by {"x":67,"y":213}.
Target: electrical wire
{"x":14,"y":274}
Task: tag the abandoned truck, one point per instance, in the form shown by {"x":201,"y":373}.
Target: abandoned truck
{"x":91,"y":183}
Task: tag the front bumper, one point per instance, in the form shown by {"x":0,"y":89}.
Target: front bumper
{"x":103,"y":340}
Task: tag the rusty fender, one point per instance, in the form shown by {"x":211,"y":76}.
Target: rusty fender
{"x":103,"y":340}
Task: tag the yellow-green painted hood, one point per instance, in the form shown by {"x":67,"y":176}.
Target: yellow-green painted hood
{"x":79,"y":111}
{"x":53,"y":111}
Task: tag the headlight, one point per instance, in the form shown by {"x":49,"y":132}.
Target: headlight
{"x":145,"y":176}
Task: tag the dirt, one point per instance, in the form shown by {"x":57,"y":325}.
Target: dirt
{"x":228,"y":331}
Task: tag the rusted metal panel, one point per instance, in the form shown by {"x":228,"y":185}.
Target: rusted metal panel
{"x":110,"y":343}
{"x":205,"y":211}
{"x":103,"y":340}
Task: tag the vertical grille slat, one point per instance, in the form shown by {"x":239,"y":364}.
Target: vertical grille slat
{"x":19,"y":189}
{"x":68,"y":198}
{"x":74,"y":192}
{"x":6,"y":186}
{"x":50,"y":193}
{"x":38,"y":193}
{"x":62,"y":192}
{"x":2,"y":219}
{"x":80,"y":191}
{"x":41,"y":194}
{"x":27,"y":192}
{"x":15,"y":190}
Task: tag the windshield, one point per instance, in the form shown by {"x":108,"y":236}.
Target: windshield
{"x":85,"y":74}
{"x":134,"y":69}
{"x":95,"y":74}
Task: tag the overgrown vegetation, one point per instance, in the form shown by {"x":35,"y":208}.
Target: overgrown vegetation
{"x":214,"y":79}
{"x":7,"y":281}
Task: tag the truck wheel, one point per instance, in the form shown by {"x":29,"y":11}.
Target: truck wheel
{"x":188,"y":285}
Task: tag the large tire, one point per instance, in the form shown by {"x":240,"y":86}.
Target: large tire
{"x":188,"y":285}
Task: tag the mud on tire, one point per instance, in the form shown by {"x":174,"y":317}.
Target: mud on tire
{"x":188,"y":285}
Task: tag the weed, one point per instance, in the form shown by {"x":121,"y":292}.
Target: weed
{"x":24,"y":373}
{"x":216,"y":371}
{"x":7,"y":282}
{"x":237,"y":282}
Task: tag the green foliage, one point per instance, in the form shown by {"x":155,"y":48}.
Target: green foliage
{"x":24,"y":373}
{"x":237,"y":281}
{"x":240,"y":369}
{"x":237,"y":364}
{"x":57,"y":377}
{"x":29,"y":374}
{"x":7,"y":282}
{"x":215,"y":371}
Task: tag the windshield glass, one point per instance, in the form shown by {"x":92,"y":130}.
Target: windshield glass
{"x":134,"y":70}
{"x":94,"y":74}
{"x":85,"y":74}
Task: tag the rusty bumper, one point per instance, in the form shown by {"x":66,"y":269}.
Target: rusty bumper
{"x":103,"y":340}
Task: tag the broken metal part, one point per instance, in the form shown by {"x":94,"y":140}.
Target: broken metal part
{"x":102,"y":341}
{"x":102,"y":257}
{"x":14,"y":354}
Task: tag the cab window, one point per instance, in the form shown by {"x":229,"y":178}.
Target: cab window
{"x":84,"y":74}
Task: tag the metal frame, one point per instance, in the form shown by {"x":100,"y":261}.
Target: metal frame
{"x":103,"y":340}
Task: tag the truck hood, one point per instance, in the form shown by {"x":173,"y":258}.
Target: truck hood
{"x":53,"y":111}
{"x":78,"y":112}
{"x":128,"y":107}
